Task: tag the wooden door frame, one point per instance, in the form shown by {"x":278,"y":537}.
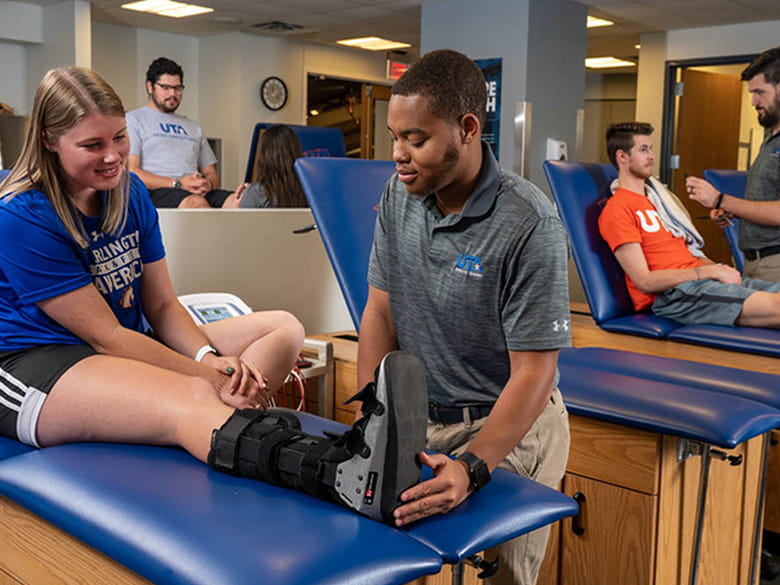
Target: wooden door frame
{"x":670,"y":104}
{"x":368,"y":98}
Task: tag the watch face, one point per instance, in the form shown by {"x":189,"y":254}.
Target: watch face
{"x":273,"y":92}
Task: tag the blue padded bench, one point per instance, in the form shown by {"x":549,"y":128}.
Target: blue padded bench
{"x":578,"y":189}
{"x":733,"y":183}
{"x":9,"y":448}
{"x":711,"y":404}
{"x":343,"y":195}
{"x":708,"y":405}
{"x":316,"y":141}
{"x":174,"y":521}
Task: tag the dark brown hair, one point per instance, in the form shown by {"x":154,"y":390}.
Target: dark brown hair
{"x":767,"y":63}
{"x":276,"y":153}
{"x":621,"y":137}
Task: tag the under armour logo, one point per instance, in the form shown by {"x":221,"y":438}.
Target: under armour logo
{"x":560,"y":325}
{"x":95,"y":235}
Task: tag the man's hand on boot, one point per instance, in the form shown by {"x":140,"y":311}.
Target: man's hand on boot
{"x":449,"y":487}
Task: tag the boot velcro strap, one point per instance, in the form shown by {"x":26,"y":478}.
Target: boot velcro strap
{"x":259,"y":451}
{"x":299,"y":464}
{"x":367,"y":395}
{"x":224,"y":441}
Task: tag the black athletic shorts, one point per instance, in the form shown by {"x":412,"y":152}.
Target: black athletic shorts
{"x":169,"y":197}
{"x":26,"y":378}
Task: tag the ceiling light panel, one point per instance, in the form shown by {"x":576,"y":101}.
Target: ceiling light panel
{"x":167,"y":8}
{"x":373,"y":43}
{"x":594,"y":22}
{"x":606,"y":63}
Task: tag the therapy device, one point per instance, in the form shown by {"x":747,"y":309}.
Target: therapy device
{"x":213,"y":306}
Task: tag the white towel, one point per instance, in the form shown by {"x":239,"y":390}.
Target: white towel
{"x":673,"y":214}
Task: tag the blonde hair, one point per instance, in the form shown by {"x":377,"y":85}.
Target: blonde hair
{"x":64,"y":97}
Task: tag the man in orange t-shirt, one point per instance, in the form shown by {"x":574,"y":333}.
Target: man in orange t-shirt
{"x":661,"y":272}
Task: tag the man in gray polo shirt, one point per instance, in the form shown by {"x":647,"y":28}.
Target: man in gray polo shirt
{"x":468,"y":272}
{"x":759,"y":211}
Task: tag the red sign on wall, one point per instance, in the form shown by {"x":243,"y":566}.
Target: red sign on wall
{"x":396,"y":69}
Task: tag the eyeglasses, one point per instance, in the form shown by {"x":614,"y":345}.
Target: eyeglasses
{"x":166,"y":87}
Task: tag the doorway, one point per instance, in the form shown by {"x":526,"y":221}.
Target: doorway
{"x":356,"y":108}
{"x":708,"y":124}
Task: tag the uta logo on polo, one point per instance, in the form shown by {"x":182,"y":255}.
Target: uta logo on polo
{"x":470,"y":265}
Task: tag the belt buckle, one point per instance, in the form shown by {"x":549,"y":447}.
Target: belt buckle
{"x":433,"y":411}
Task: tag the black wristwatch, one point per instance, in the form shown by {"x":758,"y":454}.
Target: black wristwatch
{"x":479,"y":475}
{"x":176,"y":184}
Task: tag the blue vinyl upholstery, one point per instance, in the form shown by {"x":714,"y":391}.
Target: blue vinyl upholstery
{"x":9,"y":448}
{"x":316,"y":141}
{"x":756,"y":386}
{"x":174,"y":521}
{"x":732,"y":183}
{"x":712,"y":404}
{"x":579,"y":190}
{"x":343,"y":195}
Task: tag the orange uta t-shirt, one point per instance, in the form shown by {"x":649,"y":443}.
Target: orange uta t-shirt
{"x":629,"y":218}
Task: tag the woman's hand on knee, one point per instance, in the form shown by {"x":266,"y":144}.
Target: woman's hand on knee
{"x":246,"y":387}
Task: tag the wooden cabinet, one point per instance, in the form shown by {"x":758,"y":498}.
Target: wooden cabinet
{"x":638,"y":510}
{"x":615,"y":532}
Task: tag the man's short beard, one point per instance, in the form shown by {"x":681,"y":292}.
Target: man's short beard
{"x":770,"y":117}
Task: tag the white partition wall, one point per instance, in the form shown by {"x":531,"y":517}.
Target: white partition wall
{"x":253,"y":253}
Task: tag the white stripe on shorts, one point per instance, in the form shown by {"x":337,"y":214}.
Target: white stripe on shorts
{"x":26,"y":401}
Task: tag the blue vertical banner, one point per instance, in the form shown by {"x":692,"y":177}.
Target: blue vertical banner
{"x":491,"y":69}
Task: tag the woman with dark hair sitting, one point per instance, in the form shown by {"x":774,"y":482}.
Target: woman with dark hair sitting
{"x":277,"y":184}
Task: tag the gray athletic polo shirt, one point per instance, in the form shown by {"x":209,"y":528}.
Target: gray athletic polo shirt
{"x":763,"y":184}
{"x":466,"y":288}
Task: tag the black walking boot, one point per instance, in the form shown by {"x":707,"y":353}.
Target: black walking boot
{"x":366,"y":468}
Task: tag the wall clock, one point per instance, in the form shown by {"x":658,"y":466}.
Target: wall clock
{"x":273,"y":93}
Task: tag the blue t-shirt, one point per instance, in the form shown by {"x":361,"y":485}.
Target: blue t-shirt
{"x":39,"y":260}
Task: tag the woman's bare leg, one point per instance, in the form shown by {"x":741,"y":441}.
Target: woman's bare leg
{"x":268,"y":340}
{"x":103,"y":398}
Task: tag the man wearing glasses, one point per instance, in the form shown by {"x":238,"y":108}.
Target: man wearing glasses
{"x":170,"y":152}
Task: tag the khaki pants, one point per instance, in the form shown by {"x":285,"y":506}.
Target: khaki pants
{"x":764,"y":268}
{"x":540,"y":456}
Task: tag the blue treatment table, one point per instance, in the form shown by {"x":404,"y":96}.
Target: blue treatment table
{"x":173,"y":521}
{"x":708,"y":406}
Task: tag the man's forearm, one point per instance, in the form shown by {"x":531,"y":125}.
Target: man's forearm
{"x":761,"y":212}
{"x":153,"y":181}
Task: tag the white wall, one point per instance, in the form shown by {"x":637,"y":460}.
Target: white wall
{"x":719,"y":41}
{"x":114,"y":58}
{"x":12,"y":71}
{"x":22,"y":23}
{"x":67,"y":41}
